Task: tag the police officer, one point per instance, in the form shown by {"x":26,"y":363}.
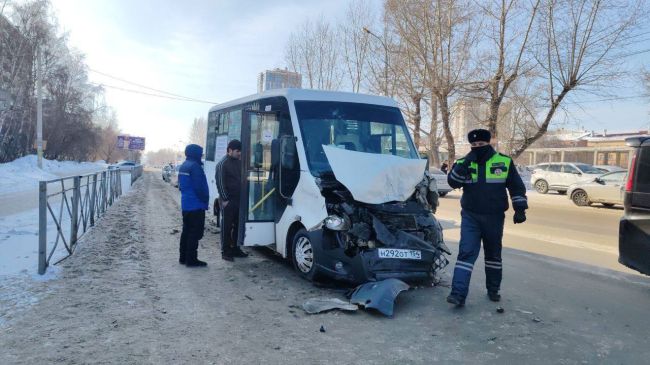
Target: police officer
{"x":194,"y":203}
{"x":228,"y":178}
{"x":484,"y":175}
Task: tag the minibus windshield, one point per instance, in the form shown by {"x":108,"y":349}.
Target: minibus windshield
{"x":352,"y":126}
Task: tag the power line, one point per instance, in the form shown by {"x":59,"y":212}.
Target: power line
{"x":151,"y":94}
{"x":615,"y":98}
{"x":636,"y":53}
{"x":179,"y":97}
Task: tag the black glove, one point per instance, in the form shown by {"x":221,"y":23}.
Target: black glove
{"x":462,"y":170}
{"x":469,"y":158}
{"x":519,"y":217}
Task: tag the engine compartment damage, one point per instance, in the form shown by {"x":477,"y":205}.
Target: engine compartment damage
{"x":361,"y":242}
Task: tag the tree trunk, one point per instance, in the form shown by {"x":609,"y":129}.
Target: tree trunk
{"x":434,"y":143}
{"x":416,"y":118}
{"x":445,"y":114}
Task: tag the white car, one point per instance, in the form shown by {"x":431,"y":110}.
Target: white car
{"x":441,"y":181}
{"x":559,"y":176}
{"x":124,"y":165}
{"x":606,"y":189}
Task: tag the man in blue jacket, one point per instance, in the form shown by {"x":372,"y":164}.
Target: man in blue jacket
{"x":194,"y":202}
{"x":485,"y":176}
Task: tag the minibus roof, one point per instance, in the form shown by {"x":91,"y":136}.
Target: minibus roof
{"x":312,"y":95}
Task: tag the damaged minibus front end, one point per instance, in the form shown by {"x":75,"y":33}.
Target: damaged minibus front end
{"x":380,"y":222}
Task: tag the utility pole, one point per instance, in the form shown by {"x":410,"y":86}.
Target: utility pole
{"x":39,"y":108}
{"x":385,"y":58}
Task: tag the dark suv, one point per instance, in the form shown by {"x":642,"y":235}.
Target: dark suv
{"x":634,"y":229}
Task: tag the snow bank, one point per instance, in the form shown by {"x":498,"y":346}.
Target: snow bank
{"x":24,"y":174}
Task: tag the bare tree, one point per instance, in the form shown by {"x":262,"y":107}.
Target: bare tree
{"x":507,"y":34}
{"x":450,"y":27}
{"x":441,"y":34}
{"x":70,"y":101}
{"x":161,"y":157}
{"x":409,"y":73}
{"x":314,"y":53}
{"x":356,"y":44}
{"x":582,"y":45}
{"x":198,"y":131}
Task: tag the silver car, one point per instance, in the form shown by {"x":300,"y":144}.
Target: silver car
{"x":606,"y":189}
{"x":559,"y":176}
{"x":608,"y":168}
{"x":441,"y":181}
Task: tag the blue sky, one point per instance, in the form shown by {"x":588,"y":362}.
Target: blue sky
{"x":214,"y":50}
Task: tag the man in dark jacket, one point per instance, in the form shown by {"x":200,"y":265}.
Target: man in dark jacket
{"x":194,"y":202}
{"x":484,"y":175}
{"x":228,"y":178}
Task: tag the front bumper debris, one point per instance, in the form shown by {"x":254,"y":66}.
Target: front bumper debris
{"x":379,"y":295}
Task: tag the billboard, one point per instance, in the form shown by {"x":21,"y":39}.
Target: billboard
{"x":130,"y":142}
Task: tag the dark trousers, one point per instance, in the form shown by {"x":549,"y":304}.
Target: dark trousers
{"x":193,"y":226}
{"x":473,"y":229}
{"x":229,"y":227}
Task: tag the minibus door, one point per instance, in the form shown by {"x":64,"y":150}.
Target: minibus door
{"x":259,"y":194}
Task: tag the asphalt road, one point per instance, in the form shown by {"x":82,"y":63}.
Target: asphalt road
{"x":555,"y":227}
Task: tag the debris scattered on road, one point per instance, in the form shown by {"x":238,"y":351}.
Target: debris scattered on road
{"x":500,"y":310}
{"x":537,"y":319}
{"x":318,"y":305}
{"x":248,"y":297}
{"x":276,"y":348}
{"x":174,"y":231}
{"x":524,"y":312}
{"x":322,"y":328}
{"x":379,"y":295}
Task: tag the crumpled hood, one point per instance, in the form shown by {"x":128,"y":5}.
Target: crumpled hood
{"x":194,"y":152}
{"x":374,"y":178}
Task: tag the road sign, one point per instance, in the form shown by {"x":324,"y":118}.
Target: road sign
{"x":130,"y":142}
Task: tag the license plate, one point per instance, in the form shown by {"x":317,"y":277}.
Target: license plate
{"x":398,"y":253}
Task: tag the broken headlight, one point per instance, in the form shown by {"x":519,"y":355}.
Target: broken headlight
{"x":337,"y":223}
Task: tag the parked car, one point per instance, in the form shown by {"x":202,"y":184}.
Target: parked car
{"x":558,"y":176}
{"x":634,"y":229}
{"x":606,"y":189}
{"x":441,"y":181}
{"x":609,"y":168}
{"x":167,"y":172}
{"x":124,"y":165}
{"x":173,"y":178}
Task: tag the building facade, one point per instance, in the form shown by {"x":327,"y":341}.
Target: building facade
{"x":586,"y":147}
{"x":278,"y":79}
{"x":470,"y":114}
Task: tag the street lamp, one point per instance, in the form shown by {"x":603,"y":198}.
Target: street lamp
{"x":385,"y":58}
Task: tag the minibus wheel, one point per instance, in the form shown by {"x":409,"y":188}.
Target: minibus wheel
{"x":302,"y":255}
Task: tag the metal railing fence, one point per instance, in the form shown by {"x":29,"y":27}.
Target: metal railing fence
{"x":74,"y":204}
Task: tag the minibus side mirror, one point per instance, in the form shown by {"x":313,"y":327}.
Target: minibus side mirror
{"x":288,"y":155}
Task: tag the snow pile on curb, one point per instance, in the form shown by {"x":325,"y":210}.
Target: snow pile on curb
{"x":24,"y":174}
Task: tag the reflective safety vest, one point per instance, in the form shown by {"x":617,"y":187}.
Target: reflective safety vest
{"x":496,"y":169}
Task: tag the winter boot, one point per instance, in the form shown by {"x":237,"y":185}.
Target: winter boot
{"x":238,"y":252}
{"x":494,"y":296}
{"x":456,"y":300}
{"x":196,"y":263}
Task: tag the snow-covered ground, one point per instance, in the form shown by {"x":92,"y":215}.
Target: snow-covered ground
{"x":24,"y":174}
{"x":19,"y":210}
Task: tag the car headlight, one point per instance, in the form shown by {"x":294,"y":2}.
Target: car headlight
{"x":337,"y":223}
